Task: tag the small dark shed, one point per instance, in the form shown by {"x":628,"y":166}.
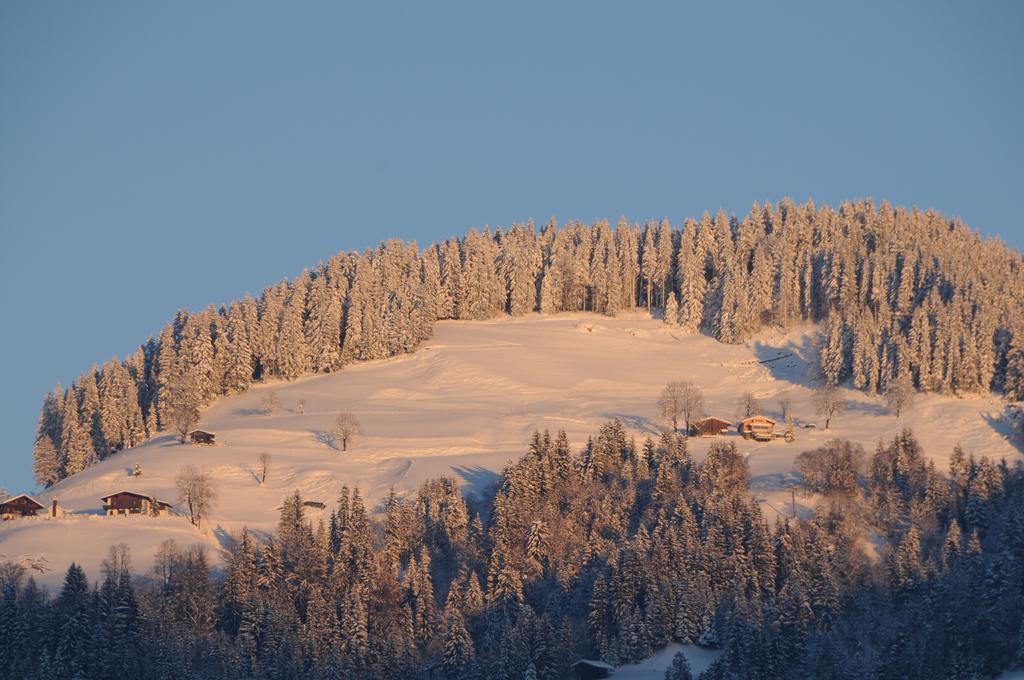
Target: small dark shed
{"x":20,"y":506}
{"x":588,"y":669}
{"x":203,"y":437}
{"x":709,"y":427}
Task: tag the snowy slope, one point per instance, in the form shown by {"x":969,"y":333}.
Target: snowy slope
{"x":464,"y":405}
{"x":654,"y":667}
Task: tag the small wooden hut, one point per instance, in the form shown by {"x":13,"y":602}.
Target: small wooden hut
{"x":203,"y":437}
{"x":709,"y":427}
{"x":589,"y":669}
{"x":22,"y":505}
{"x":759,"y":428}
{"x":131,"y":503}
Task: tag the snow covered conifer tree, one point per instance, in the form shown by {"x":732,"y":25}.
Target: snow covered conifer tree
{"x":731,"y":308}
{"x":762,"y":284}
{"x":649,"y":264}
{"x":430,"y":276}
{"x":1015,"y":371}
{"x":50,"y":425}
{"x":120,"y":415}
{"x":663,"y":270}
{"x":238,"y":365}
{"x":459,"y":651}
{"x":833,"y":352}
{"x":952,"y":544}
{"x":46,"y":467}
{"x":627,"y":248}
{"x":671,"y":310}
{"x":89,"y":413}
{"x":323,"y":326}
{"x":451,"y":280}
{"x":196,"y":356}
{"x":73,"y":636}
{"x":264,"y":335}
{"x":354,"y":632}
{"x":76,"y":444}
{"x":290,"y":352}
{"x":680,"y":668}
{"x":519,"y":262}
{"x":693,"y":286}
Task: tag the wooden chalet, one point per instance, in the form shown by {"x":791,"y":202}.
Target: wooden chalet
{"x":759,"y":428}
{"x":203,"y":437}
{"x":710,"y":427}
{"x":22,"y":505}
{"x":588,"y":669}
{"x":131,"y":503}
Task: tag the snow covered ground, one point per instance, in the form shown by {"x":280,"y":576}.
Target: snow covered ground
{"x":654,"y":667}
{"x":464,"y":405}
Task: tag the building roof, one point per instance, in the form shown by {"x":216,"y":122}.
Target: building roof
{"x":758,"y":417}
{"x":22,"y":495}
{"x":137,"y":495}
{"x":213,"y":434}
{"x":594,"y":664}
{"x":707,"y":419}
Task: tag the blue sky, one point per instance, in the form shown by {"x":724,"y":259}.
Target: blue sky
{"x":155,"y":156}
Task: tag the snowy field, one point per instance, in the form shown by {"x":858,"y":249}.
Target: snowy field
{"x":654,"y":667}
{"x":464,"y":405}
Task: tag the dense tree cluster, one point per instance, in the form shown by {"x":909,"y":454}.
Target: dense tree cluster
{"x":906,"y":298}
{"x":610,"y":552}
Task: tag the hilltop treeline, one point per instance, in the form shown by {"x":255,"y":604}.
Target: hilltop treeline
{"x":901,"y":293}
{"x":611,"y":552}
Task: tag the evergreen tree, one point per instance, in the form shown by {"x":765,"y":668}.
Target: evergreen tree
{"x":671,"y":310}
{"x":46,"y":466}
{"x":459,"y":651}
{"x":680,"y":668}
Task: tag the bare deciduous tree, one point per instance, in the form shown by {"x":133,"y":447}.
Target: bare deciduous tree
{"x":899,"y":395}
{"x":829,"y":403}
{"x":270,"y":403}
{"x":118,"y":561}
{"x":785,"y":406}
{"x":182,"y":406}
{"x":680,"y":399}
{"x":264,"y":460}
{"x":346,"y":426}
{"x":748,"y":405}
{"x":195,"y":493}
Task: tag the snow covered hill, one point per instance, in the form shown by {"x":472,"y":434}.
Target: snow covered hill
{"x":464,"y":405}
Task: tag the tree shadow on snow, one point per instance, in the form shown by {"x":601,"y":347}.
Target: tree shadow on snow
{"x":481,"y":487}
{"x":225,"y":539}
{"x":641,"y":423}
{"x":792,"y":361}
{"x":780,"y":481}
{"x":250,"y":412}
{"x":1003,"y":426}
{"x":325,"y":437}
{"x":867,"y":408}
{"x":478,"y":479}
{"x":245,"y":467}
{"x":163,"y":440}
